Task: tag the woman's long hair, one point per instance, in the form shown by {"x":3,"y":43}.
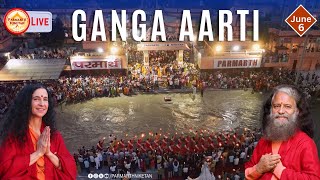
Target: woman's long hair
{"x":15,"y":124}
{"x":304,"y":121}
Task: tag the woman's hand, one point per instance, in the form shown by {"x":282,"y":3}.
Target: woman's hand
{"x":48,"y":151}
{"x":42,"y":143}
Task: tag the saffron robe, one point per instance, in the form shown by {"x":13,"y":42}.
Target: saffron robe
{"x":15,"y":159}
{"x":298,"y":154}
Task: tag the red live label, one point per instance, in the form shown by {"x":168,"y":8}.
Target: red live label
{"x":39,"y":21}
{"x":300,"y":20}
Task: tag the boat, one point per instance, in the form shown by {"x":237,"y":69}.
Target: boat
{"x":167,"y":98}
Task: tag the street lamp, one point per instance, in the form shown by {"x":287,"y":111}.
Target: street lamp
{"x":236,"y":48}
{"x":256,"y":47}
{"x":114,"y":50}
{"x":100,"y":50}
{"x":218,"y":48}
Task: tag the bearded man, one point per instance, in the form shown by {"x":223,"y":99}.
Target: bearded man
{"x":286,"y":150}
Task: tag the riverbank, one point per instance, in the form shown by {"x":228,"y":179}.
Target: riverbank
{"x":187,"y":90}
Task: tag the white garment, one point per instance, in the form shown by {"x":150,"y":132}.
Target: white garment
{"x":126,"y":153}
{"x":80,"y":159}
{"x":236,"y":177}
{"x":242,"y":155}
{"x":205,"y":173}
{"x":100,"y":156}
{"x":121,"y":154}
{"x":96,"y":159}
{"x":231,"y":158}
{"x":86,"y":164}
{"x":194,"y":90}
{"x":185,"y":169}
{"x":236,"y":161}
{"x":112,"y":168}
{"x":91,"y":158}
{"x":159,"y":158}
{"x":134,"y":154}
{"x":116,"y":155}
{"x":127,"y":166}
{"x":176,"y":167}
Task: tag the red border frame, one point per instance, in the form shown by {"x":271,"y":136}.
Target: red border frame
{"x":5,"y":17}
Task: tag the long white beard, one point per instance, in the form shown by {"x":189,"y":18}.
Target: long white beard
{"x":280,"y":130}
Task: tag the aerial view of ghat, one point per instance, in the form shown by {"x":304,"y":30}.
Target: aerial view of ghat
{"x":159,"y":89}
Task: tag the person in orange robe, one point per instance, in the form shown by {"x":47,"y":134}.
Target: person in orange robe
{"x":31,"y":146}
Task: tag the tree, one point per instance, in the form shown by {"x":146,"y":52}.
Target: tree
{"x":56,"y":37}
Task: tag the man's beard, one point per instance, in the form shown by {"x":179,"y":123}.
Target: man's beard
{"x":280,"y":130}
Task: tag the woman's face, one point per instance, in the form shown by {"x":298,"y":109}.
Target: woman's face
{"x":39,"y":103}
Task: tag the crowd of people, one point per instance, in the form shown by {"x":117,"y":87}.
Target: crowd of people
{"x":198,"y":153}
{"x":81,"y":88}
{"x":134,"y":56}
{"x":24,"y":52}
{"x":163,"y":69}
{"x":188,"y":155}
{"x":274,"y":57}
{"x":167,"y":76}
{"x":163,"y":72}
{"x":203,"y":154}
{"x":262,"y":80}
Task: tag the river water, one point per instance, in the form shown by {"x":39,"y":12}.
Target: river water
{"x":83,"y":124}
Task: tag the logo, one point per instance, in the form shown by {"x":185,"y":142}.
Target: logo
{"x":16,"y":21}
{"x":300,"y":20}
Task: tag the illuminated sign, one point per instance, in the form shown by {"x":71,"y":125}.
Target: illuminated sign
{"x":229,"y":63}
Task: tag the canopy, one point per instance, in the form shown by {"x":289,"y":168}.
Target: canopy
{"x":32,"y":69}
